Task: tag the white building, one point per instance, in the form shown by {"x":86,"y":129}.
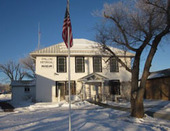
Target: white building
{"x":23,"y":90}
{"x":93,"y":74}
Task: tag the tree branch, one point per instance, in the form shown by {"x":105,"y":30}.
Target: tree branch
{"x":117,"y":58}
{"x":156,"y":5}
{"x":122,"y":32}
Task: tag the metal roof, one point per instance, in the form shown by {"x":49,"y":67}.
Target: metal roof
{"x":160,"y":74}
{"x":80,"y":47}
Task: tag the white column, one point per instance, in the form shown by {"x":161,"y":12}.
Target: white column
{"x":84,"y":91}
{"x":97,"y":93}
{"x":103,"y":92}
{"x":59,"y":94}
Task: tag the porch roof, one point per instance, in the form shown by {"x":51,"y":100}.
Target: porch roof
{"x":93,"y":77}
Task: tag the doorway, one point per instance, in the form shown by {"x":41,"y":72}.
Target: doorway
{"x":60,"y":90}
{"x":115,"y":87}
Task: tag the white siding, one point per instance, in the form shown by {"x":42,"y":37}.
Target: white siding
{"x":47,"y":76}
{"x":44,"y":89}
{"x":19,"y":94}
{"x":52,"y":74}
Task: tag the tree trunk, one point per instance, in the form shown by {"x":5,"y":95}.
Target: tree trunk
{"x":137,"y":93}
{"x":149,"y":59}
{"x":137,"y":108}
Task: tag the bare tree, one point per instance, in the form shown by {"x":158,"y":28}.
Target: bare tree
{"x":18,"y":71}
{"x":5,"y":88}
{"x":12,"y":70}
{"x":134,"y":26}
{"x":29,"y":65}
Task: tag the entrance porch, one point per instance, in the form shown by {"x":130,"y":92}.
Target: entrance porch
{"x":97,"y":87}
{"x":93,"y":87}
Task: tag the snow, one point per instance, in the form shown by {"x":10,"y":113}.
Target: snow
{"x":155,"y":75}
{"x":5,"y":97}
{"x":159,"y":74}
{"x":159,"y":106}
{"x":30,"y":116}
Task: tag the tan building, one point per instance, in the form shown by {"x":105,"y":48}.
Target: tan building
{"x":158,"y":85}
{"x":93,"y":74}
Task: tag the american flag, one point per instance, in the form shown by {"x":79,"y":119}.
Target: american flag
{"x":66,"y":24}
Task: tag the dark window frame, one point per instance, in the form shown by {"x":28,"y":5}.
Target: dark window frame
{"x":83,"y":65}
{"x":94,"y":64}
{"x":114,"y":65}
{"x":65,"y":64}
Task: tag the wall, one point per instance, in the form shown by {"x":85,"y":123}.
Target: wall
{"x":126,"y":90}
{"x":47,"y":75}
{"x":44,"y":89}
{"x":51,"y":73}
{"x":19,"y":94}
{"x":158,"y":89}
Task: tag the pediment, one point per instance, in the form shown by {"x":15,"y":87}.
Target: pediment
{"x":93,"y":77}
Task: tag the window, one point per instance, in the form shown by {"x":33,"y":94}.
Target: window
{"x":61,"y":64}
{"x":72,"y":88}
{"x":97,"y":64}
{"x":114,"y":65}
{"x":62,"y":88}
{"x":79,"y":64}
{"x":27,"y":89}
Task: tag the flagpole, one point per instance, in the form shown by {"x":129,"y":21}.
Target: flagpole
{"x":39,"y":35}
{"x":68,"y":39}
{"x":69,"y":72}
{"x":69,"y":81}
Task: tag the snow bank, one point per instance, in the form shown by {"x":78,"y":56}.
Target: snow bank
{"x":5,"y":97}
{"x":29,"y":106}
{"x":159,"y":106}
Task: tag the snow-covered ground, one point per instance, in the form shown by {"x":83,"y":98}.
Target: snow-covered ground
{"x":85,"y":117}
{"x":159,"y":106}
